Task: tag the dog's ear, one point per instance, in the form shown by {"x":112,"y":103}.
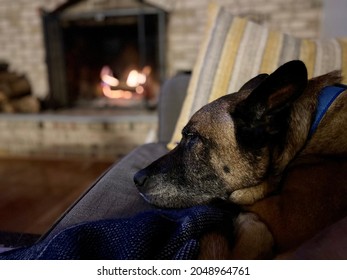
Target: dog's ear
{"x":264,"y":114}
{"x":254,"y":82}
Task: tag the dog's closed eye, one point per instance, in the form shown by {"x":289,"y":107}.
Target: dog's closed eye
{"x":190,"y":137}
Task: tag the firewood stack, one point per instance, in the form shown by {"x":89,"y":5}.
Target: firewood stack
{"x":15,"y":93}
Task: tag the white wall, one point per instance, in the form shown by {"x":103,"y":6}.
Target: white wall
{"x":334,"y":21}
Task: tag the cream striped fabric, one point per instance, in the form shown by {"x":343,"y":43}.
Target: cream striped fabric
{"x":235,"y":50}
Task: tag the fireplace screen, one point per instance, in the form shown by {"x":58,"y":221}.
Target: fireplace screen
{"x":111,"y":58}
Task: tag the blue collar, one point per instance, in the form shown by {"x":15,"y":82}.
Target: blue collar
{"x":325,"y":99}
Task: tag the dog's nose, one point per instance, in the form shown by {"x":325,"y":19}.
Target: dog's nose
{"x":140,"y":178}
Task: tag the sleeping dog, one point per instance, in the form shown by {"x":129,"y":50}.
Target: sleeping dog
{"x":277,"y":148}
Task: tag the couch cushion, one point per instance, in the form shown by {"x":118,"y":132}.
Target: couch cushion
{"x":235,"y":49}
{"x":114,"y":195}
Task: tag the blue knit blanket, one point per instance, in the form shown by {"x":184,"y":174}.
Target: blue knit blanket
{"x":156,"y":234}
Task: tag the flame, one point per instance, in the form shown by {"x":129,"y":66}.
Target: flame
{"x":135,"y":80}
{"x":139,"y":89}
{"x":107,"y":77}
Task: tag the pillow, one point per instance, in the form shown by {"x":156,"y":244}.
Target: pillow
{"x":235,"y":50}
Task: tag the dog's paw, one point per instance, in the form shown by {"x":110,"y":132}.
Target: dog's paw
{"x":250,"y":195}
{"x":253,"y":240}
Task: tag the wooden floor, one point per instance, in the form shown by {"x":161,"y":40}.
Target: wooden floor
{"x":35,"y":192}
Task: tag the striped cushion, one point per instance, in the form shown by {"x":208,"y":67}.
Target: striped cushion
{"x":234,"y":50}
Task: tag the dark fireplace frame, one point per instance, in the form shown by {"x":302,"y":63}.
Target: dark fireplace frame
{"x":54,"y":45}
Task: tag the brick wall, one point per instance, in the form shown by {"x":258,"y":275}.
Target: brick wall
{"x":21,"y":39}
{"x":22,"y":43}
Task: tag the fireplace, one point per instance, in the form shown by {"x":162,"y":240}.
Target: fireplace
{"x":109,"y":57}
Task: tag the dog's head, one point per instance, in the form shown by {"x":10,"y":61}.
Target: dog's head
{"x":228,"y":144}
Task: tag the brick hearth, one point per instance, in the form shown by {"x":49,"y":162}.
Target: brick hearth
{"x":64,"y":135}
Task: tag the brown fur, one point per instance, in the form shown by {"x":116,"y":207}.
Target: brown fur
{"x":301,"y":208}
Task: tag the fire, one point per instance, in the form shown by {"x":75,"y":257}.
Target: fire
{"x":135,"y":79}
{"x":133,"y":84}
{"x":118,"y":93}
{"x":107,"y":77}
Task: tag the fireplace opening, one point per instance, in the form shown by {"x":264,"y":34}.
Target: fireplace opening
{"x":110,"y":58}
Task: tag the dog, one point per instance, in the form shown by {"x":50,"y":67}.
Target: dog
{"x":267,"y":148}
